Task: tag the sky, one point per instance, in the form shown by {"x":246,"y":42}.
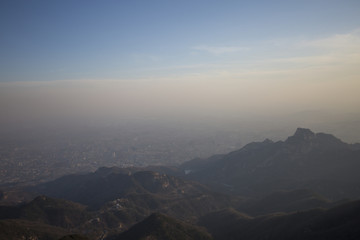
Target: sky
{"x":90,"y":59}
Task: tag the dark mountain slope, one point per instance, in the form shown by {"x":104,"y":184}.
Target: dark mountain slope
{"x":124,"y":198}
{"x":22,"y":229}
{"x":285,"y":201}
{"x":74,"y":237}
{"x":107,"y":184}
{"x":319,"y":162}
{"x":336,"y":223}
{"x":92,"y":189}
{"x":50,"y":211}
{"x":161,"y":227}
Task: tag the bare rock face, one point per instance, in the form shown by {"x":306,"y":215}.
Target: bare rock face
{"x":303,"y":134}
{"x":154,"y":182}
{"x":304,"y":140}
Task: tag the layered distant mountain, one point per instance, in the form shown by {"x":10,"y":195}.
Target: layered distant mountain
{"x":293,"y":189}
{"x":119,"y":198}
{"x":135,"y":195}
{"x":319,"y":162}
{"x":106,"y":184}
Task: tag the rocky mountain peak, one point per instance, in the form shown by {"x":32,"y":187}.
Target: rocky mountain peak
{"x":268,"y":141}
{"x":305,"y":137}
{"x":304,"y":134}
{"x":301,"y":135}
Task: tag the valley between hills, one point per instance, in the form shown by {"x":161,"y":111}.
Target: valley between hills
{"x":305,"y":187}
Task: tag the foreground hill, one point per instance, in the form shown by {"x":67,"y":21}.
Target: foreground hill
{"x":341,"y":222}
{"x":125,"y":198}
{"x":161,"y":227}
{"x":50,"y":211}
{"x":319,"y":162}
{"x":35,"y":221}
{"x":50,"y":218}
{"x":107,"y":184}
{"x":23,"y":229}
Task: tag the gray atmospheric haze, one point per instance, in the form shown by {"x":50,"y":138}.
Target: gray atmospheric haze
{"x":192,"y":119}
{"x":227,"y":73}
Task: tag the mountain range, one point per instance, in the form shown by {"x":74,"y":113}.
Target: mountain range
{"x":319,"y":162}
{"x":300,"y":188}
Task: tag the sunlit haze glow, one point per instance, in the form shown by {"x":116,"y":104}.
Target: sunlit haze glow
{"x":202,"y":60}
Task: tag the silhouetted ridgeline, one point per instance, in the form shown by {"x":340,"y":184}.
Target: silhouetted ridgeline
{"x":299,"y":188}
{"x":319,"y":162}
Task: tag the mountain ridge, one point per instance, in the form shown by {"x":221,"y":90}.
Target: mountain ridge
{"x":304,"y":160}
{"x":270,"y":188}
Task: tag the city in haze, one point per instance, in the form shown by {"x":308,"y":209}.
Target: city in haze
{"x":163,"y":82}
{"x":164,"y":119}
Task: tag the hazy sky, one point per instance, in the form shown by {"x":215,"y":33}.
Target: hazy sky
{"x":154,"y":58}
